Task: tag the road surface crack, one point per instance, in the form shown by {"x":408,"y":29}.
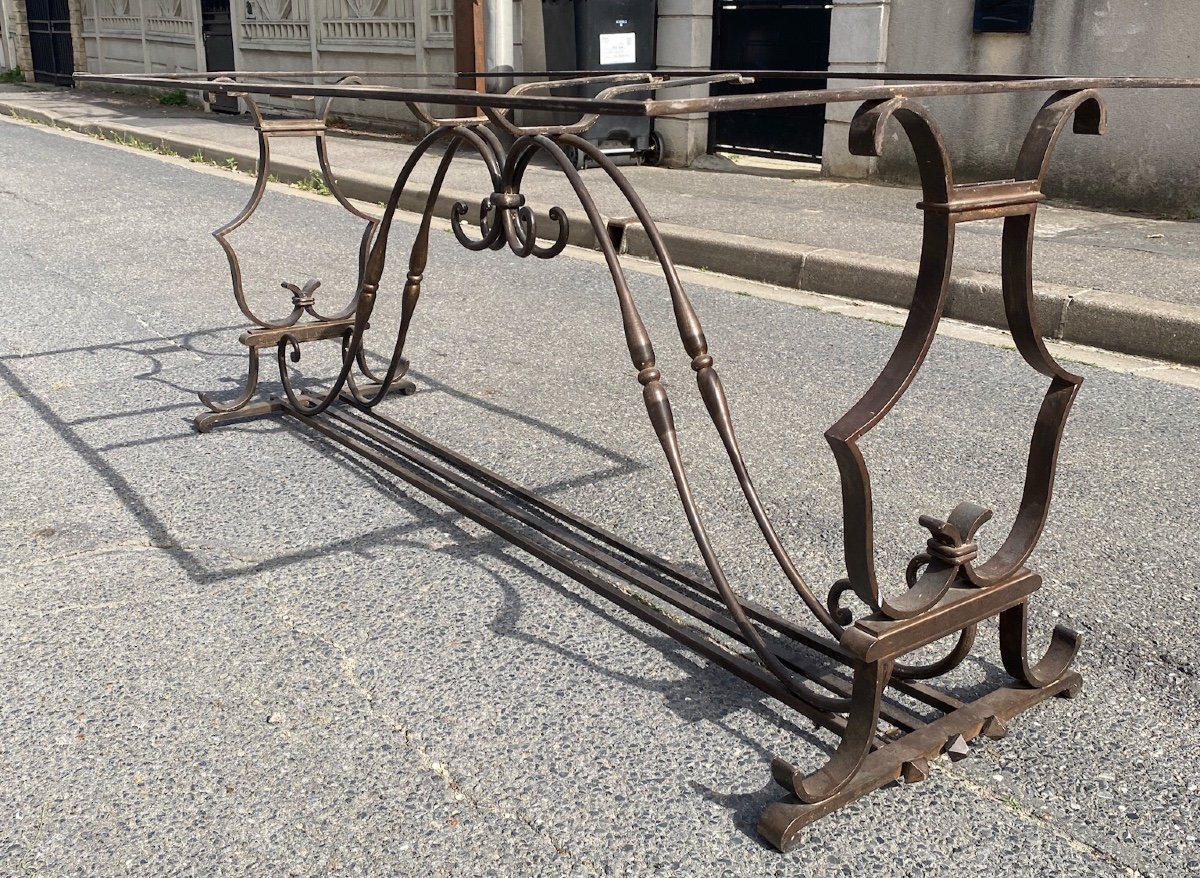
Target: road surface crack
{"x":348,"y":666}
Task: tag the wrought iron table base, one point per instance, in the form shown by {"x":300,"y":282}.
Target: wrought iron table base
{"x":849,"y":674}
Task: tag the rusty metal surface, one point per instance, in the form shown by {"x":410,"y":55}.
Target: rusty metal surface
{"x":852,"y":671}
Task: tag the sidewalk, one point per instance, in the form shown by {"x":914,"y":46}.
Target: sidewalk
{"x":1119,"y":282}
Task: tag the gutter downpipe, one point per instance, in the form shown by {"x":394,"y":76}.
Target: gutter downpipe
{"x":498,"y":43}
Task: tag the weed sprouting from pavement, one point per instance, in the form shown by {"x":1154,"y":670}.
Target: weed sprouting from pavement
{"x":12,"y":75}
{"x":123,"y":139}
{"x":176,"y":98}
{"x":314,"y":183}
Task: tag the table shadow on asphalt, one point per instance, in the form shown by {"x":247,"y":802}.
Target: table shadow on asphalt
{"x":693,"y":697}
{"x":701,"y":692}
{"x":618,"y":465}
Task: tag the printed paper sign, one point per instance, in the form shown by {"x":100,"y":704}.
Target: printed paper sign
{"x":618,"y":48}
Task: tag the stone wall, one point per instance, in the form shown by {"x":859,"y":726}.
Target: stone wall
{"x":858,"y":43}
{"x":685,"y":36}
{"x":1149,"y":160}
{"x":18,"y":29}
{"x":8,"y":47}
{"x":374,"y":36}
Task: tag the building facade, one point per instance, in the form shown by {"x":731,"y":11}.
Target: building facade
{"x":1149,"y":160}
{"x":179,"y":36}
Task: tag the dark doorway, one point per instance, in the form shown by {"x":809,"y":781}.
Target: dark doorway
{"x":50,"y":41}
{"x":771,"y":35}
{"x":217,"y":29}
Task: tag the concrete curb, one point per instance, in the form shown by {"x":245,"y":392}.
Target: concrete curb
{"x":360,"y":186}
{"x":1111,"y":321}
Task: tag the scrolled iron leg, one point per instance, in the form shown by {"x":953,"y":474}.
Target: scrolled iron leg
{"x":401,"y":386}
{"x":870,"y":680}
{"x":1014,"y":651}
{"x":237,"y":404}
{"x":869,"y":683}
{"x":204,"y":423}
{"x":782,"y":822}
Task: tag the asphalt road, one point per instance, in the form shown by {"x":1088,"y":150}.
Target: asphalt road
{"x":242,"y":654}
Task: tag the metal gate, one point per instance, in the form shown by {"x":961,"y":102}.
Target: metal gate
{"x":771,"y":35}
{"x":217,"y":29}
{"x":50,"y":41}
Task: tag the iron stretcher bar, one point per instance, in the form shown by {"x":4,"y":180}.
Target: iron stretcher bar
{"x":483,"y":485}
{"x":817,"y":643}
{"x":534,"y":75}
{"x":791,"y":632}
{"x":747,"y":670}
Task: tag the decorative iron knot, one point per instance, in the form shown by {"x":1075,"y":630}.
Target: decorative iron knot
{"x":949,"y":542}
{"x":947,"y":560}
{"x":303,"y":297}
{"x":507,"y":200}
{"x":947,"y":545}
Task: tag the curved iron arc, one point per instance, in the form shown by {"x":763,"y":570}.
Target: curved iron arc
{"x":418,"y":258}
{"x":352,"y":342}
{"x":368,"y":235}
{"x":490,"y":233}
{"x":708,"y":380}
{"x":658,"y":408}
{"x":1089,"y":115}
{"x":867,"y":132}
{"x":655,"y":398}
{"x":419,"y":252}
{"x":624,"y":82}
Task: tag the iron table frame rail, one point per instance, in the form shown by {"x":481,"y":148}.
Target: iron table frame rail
{"x":849,"y":675}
